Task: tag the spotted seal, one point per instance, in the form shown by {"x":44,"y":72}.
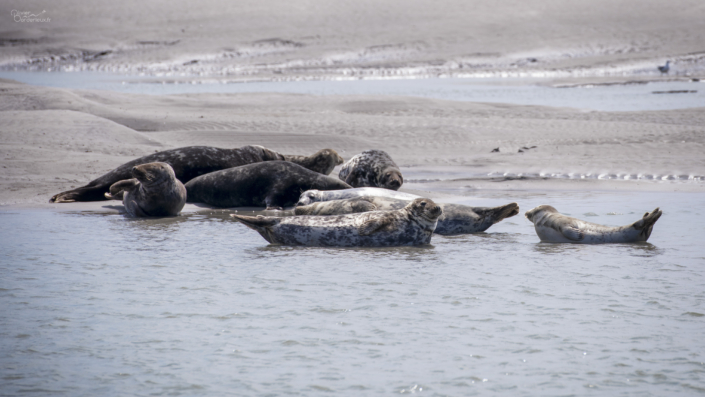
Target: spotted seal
{"x":322,"y":161}
{"x":456,"y":218}
{"x":270,"y":184}
{"x":190,"y":162}
{"x":153,"y":191}
{"x":553,"y":227}
{"x":314,"y":196}
{"x":411,"y":225}
{"x":373,"y":168}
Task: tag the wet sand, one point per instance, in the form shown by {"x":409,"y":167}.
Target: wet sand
{"x":55,"y":139}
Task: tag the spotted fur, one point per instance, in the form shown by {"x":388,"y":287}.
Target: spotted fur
{"x":411,"y":225}
{"x":373,"y":168}
{"x":456,"y":218}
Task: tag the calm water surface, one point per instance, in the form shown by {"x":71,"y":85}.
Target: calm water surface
{"x":99,"y":304}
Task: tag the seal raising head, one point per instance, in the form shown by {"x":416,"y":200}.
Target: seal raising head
{"x":551,"y":226}
{"x":412,"y":225}
{"x":322,"y":161}
{"x":153,"y":191}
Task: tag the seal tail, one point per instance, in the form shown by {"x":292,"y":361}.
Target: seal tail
{"x":83,"y":193}
{"x":261,"y":224}
{"x":497,"y":214}
{"x":646,"y":224}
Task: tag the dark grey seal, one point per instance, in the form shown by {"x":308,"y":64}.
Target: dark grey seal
{"x":270,"y":184}
{"x":456,"y":218}
{"x":373,"y":168}
{"x":553,"y":227}
{"x":153,"y":191}
{"x":411,"y":225}
{"x":190,"y":162}
{"x":322,"y":161}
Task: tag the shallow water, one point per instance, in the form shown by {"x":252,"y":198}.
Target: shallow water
{"x":630,"y":97}
{"x":99,"y":304}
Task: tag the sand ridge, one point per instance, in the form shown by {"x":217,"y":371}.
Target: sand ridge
{"x":54,"y":139}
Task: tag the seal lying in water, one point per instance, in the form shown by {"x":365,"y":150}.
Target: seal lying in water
{"x":373,"y":168}
{"x":322,"y":162}
{"x":553,"y":227}
{"x":314,"y":196}
{"x":270,"y":184}
{"x":190,"y":162}
{"x":411,"y":225}
{"x":154,"y":191}
{"x":456,"y":218}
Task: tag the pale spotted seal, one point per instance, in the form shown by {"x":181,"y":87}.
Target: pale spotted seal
{"x":456,"y":218}
{"x":313,"y":196}
{"x":373,"y":168}
{"x":270,"y":184}
{"x":553,"y":227}
{"x":411,"y":225}
{"x":153,"y":191}
{"x":190,"y":162}
{"x":322,"y":162}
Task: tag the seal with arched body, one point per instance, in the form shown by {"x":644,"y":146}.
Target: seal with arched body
{"x":411,"y":225}
{"x":314,"y":196}
{"x":456,"y":218}
{"x":188,"y":163}
{"x":322,"y":161}
{"x":270,"y":184}
{"x":153,"y":191}
{"x":373,"y":168}
{"x":553,"y":227}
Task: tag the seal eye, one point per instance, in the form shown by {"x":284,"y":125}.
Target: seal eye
{"x":423,"y":203}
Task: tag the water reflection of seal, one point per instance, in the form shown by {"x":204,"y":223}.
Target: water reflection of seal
{"x":188,"y":163}
{"x":374,"y":168}
{"x":313,"y":196}
{"x":322,"y":161}
{"x":411,"y":225}
{"x":271,"y":184}
{"x":456,"y":218}
{"x":154,"y":191}
{"x":553,"y":227}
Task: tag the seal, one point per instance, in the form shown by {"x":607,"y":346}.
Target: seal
{"x":270,"y":184}
{"x":313,"y":196}
{"x":322,"y":161}
{"x":456,"y":218}
{"x":553,"y":227}
{"x":188,"y":163}
{"x":373,"y":168}
{"x":411,"y":225}
{"x":153,"y":191}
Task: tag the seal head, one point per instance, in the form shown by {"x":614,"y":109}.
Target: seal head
{"x":322,"y":161}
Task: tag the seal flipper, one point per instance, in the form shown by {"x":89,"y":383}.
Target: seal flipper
{"x":497,"y":214}
{"x":118,"y":189}
{"x":573,"y":233}
{"x":372,"y":225}
{"x":646,"y":224}
{"x":84,"y":193}
{"x":261,"y":224}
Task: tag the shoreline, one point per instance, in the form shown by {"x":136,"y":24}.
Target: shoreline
{"x":56,"y":139}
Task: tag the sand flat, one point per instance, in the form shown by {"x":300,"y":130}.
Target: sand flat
{"x":54,"y":139}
